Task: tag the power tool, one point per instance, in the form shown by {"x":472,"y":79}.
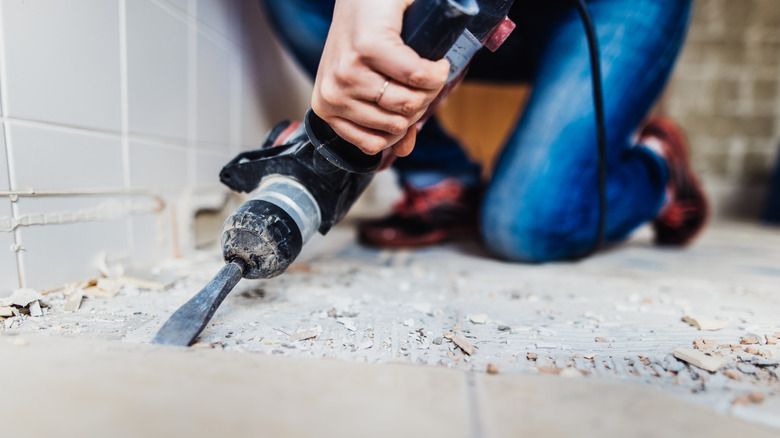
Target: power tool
{"x":304,"y":178}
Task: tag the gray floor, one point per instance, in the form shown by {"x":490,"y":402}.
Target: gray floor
{"x":400,"y":307}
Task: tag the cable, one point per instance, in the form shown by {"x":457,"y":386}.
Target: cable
{"x":601,"y":130}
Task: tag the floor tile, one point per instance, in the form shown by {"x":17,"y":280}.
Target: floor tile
{"x":512,"y":406}
{"x":201,"y":394}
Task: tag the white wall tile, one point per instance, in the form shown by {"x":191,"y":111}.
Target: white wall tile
{"x":208,"y":165}
{"x":157,"y":71}
{"x":62,"y":61}
{"x":8,"y":273}
{"x":181,"y":4}
{"x":219,"y":15}
{"x":3,"y":161}
{"x":47,"y":158}
{"x":213,"y":94}
{"x":161,"y":168}
{"x":152,"y":238}
{"x":58,"y":254}
{"x":273,"y":88}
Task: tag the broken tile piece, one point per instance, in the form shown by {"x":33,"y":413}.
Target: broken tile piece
{"x":600,"y":339}
{"x":531,"y":356}
{"x":705,"y":323}
{"x":463,"y":344}
{"x":479,"y":319}
{"x":749,"y":340}
{"x":6,"y":312}
{"x":701,"y":360}
{"x":771,"y":339}
{"x":100,"y":288}
{"x":704,"y":344}
{"x":35,"y":308}
{"x":21,"y":298}
{"x":73,"y":300}
{"x":303,"y":334}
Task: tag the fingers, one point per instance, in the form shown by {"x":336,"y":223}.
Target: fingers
{"x":370,"y":141}
{"x":406,"y":144}
{"x":404,"y":65}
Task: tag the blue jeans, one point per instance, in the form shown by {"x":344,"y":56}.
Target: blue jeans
{"x":542,"y":201}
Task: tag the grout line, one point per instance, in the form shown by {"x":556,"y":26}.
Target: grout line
{"x":222,"y":40}
{"x":477,"y":422}
{"x":125,"y":114}
{"x":192,"y":89}
{"x":9,"y":160}
{"x":162,"y":141}
{"x":236,"y":85}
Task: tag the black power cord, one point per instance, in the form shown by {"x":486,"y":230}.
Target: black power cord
{"x":601,"y":130}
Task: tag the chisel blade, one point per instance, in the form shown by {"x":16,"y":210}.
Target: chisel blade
{"x":184,"y":326}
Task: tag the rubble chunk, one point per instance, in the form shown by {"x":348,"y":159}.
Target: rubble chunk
{"x":6,"y":312}
{"x":35,"y":308}
{"x":302,"y":334}
{"x":492,"y":368}
{"x":479,"y":319}
{"x":704,"y":344}
{"x":463,"y":344}
{"x":705,"y":323}
{"x":531,"y":356}
{"x":771,"y":339}
{"x":733,"y":375}
{"x":700,"y":360}
{"x":600,"y":339}
{"x":22,"y":298}
{"x":749,"y":340}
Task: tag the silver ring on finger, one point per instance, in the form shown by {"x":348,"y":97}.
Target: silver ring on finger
{"x":382,"y":91}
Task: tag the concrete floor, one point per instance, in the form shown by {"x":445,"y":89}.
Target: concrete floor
{"x":390,"y":307}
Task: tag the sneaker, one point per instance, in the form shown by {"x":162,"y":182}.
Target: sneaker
{"x":426,"y":216}
{"x":686,"y":211}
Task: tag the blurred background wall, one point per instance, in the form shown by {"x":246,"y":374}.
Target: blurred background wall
{"x":118,"y":114}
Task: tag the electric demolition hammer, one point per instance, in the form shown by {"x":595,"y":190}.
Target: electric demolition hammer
{"x":304,"y":178}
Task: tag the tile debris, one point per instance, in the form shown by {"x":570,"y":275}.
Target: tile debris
{"x":701,"y":360}
{"x":463,"y":344}
{"x":303,"y":334}
{"x":22,"y":302}
{"x":705,"y":323}
{"x":479,"y":319}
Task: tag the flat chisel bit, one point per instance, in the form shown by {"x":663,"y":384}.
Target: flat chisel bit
{"x":185,"y":324}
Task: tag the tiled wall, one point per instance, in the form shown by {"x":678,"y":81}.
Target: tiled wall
{"x":123,"y":102}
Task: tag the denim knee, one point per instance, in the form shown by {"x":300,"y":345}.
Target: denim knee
{"x":535,"y":230}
